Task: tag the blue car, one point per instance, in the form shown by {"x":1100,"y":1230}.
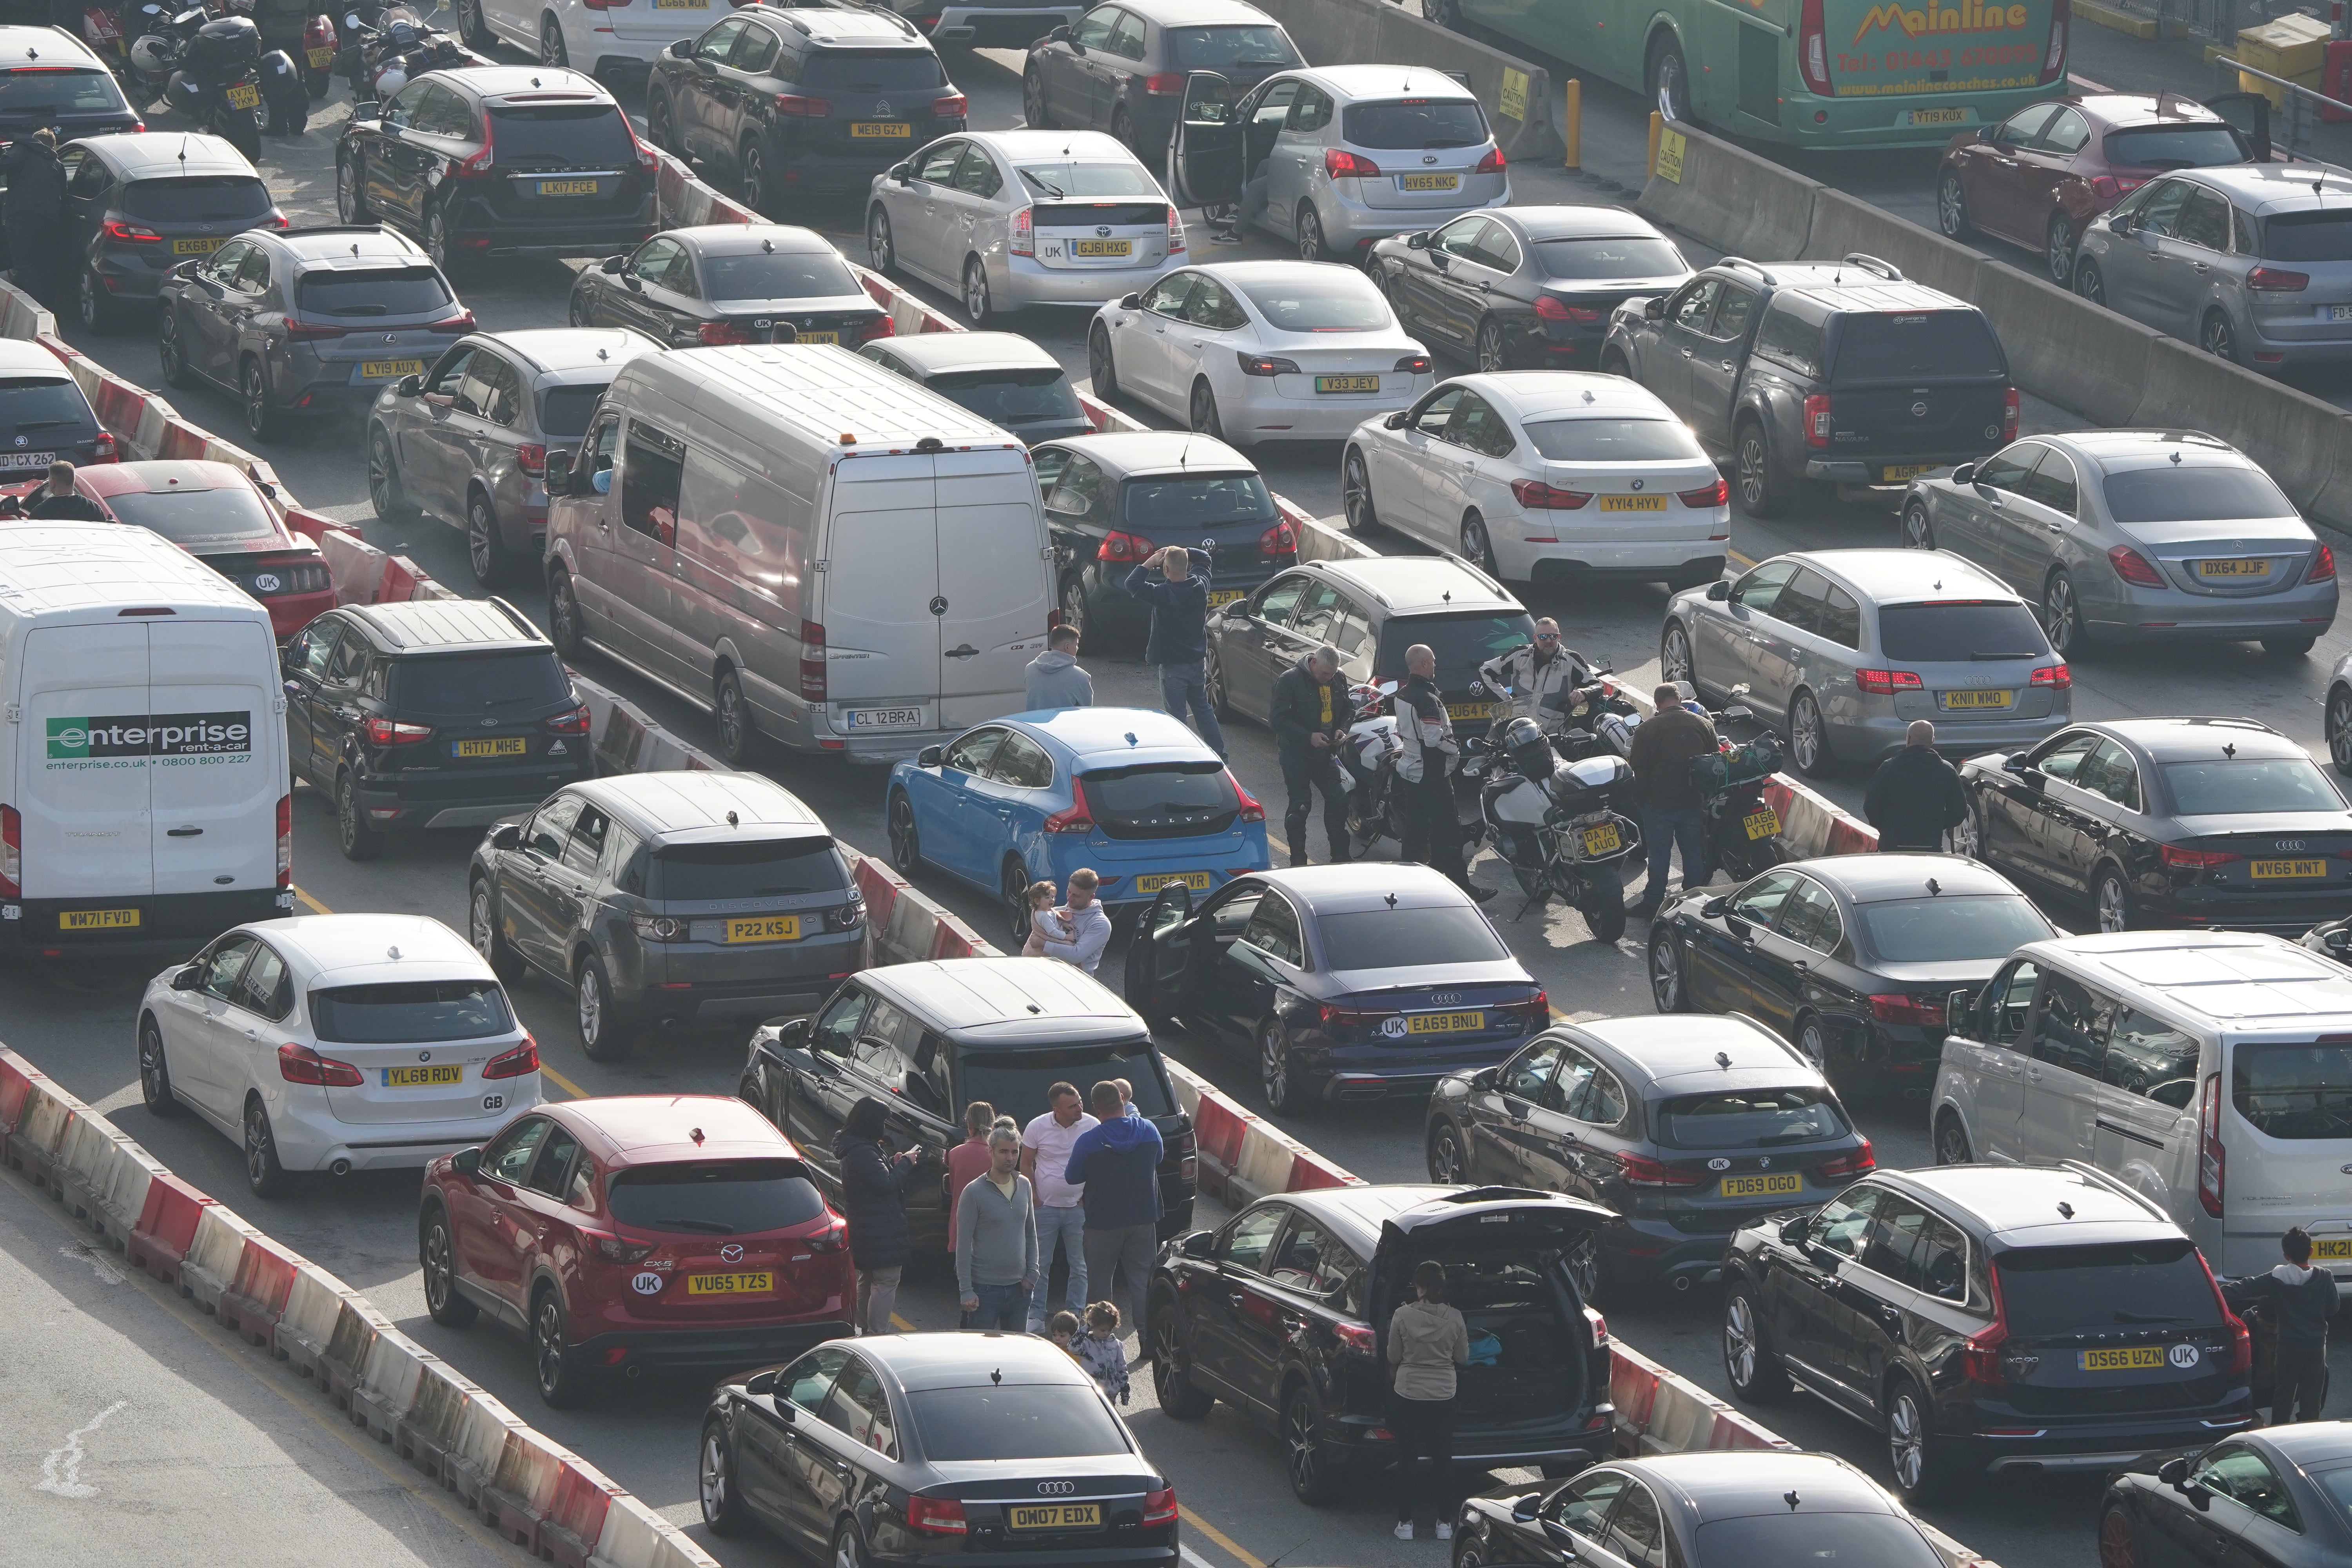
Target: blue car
{"x":1129,"y":791}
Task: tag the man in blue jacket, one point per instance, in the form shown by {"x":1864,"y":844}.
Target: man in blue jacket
{"x":1118,"y":1161}
{"x":1174,"y":582}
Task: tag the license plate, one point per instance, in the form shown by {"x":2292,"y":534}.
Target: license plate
{"x":1774,"y":1186}
{"x":322,"y":59}
{"x":1429,"y":181}
{"x":1632,"y":503}
{"x":1196,"y":881}
{"x":1601,"y":840}
{"x":2335,"y":1246}
{"x":1222,"y":596}
{"x":1895,"y":473}
{"x":880,"y":130}
{"x":1055,"y":1516}
{"x":245,"y":98}
{"x":765,"y":927}
{"x":385,"y":369}
{"x":510,"y":746}
{"x":2233,"y":569}
{"x":1973,"y":698}
{"x":1461,"y":710}
{"x":1444,"y":1023}
{"x":1937,"y":116}
{"x":817,"y":338}
{"x":98,"y":920}
{"x":1761,"y":824}
{"x":194,"y":246}
{"x":567,"y":187}
{"x":422,"y":1077}
{"x":730,"y":1284}
{"x":1102,"y":246}
{"x":2339,"y":312}
{"x":2129,"y":1358}
{"x":2269,"y":869}
{"x":884,"y":718}
{"x":1347,"y":383}
{"x":681,"y":5}
{"x":26,"y":459}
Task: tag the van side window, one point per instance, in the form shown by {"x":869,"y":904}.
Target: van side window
{"x":2149,"y":1057}
{"x":653,"y":468}
{"x":2072,"y":1029}
{"x":596,"y":452}
{"x":2012,"y":994}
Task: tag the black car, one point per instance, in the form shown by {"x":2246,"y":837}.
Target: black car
{"x":137,"y":205}
{"x":1989,"y":1320}
{"x":1525,"y":288}
{"x":489,"y":161}
{"x":433,"y":714}
{"x":45,"y":415}
{"x":2280,"y":1497}
{"x":1851,"y":956}
{"x":49,"y":77}
{"x":927,"y":1039}
{"x":730,"y":283}
{"x":2199,"y":822}
{"x":1003,"y":377}
{"x":789,"y":102}
{"x":1282,"y":1313}
{"x":914,"y":1449}
{"x":1121,"y":67}
{"x":1816,"y":373}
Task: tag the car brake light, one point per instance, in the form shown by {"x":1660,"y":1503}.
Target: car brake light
{"x":1981,"y":1351}
{"x":801,"y":108}
{"x":1898,"y":1008}
{"x":879,"y":326}
{"x":812,"y":662}
{"x":1492,"y":163}
{"x":1022,"y":239}
{"x":2009,"y":411}
{"x":300,"y":1064}
{"x":1817,"y":419}
{"x":2323,"y":565}
{"x":130,"y":233}
{"x":1640,"y":1171}
{"x":615,"y":1248}
{"x":2182,"y":859}
{"x":1266,"y":365}
{"x":718,"y":335}
{"x":1251,"y":811}
{"x":1864,"y":1159}
{"x":2058,"y":677}
{"x":2133,"y":567}
{"x":2212,"y":1159}
{"x":463,"y":321}
{"x":523,"y":1059}
{"x":574,"y":723}
{"x":603,"y":5}
{"x":11,"y":853}
{"x":1714,"y":495}
{"x":102,"y":451}
{"x":1548,"y":309}
{"x":1160,"y":1507}
{"x":935,"y":1516}
{"x":2277,"y":280}
{"x":2054,"y":58}
{"x":2109,"y":187}
{"x":1812,"y":49}
{"x":392,"y":733}
{"x":1412,"y":365}
{"x":1118,"y":546}
{"x":530,"y":456}
{"x":834,"y":1237}
{"x":1175,"y":233}
{"x":1344,"y":165}
{"x":954,"y":106}
{"x":1538,"y":495}
{"x":284,"y":840}
{"x":1357,"y":1339}
{"x":1280,"y":539}
{"x":1885,"y":681}
{"x":302,"y":330}
{"x":476,"y":165}
{"x":2241,"y":1343}
{"x":1332,"y":1016}
{"x":1076,"y":817}
{"x":1164,"y":83}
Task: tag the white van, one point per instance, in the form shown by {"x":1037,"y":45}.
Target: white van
{"x":2209,"y":1070}
{"x":804,"y":543}
{"x":144,"y":792}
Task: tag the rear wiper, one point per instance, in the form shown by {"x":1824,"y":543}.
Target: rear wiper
{"x":2148,"y":1317}
{"x":1426,"y":146}
{"x":707,"y":1227}
{"x":43,"y":424}
{"x":1993,"y":656}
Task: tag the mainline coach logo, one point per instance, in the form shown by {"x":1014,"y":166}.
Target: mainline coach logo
{"x":1968,"y":17}
{"x":150,"y":735}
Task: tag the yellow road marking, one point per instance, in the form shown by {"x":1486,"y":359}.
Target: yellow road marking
{"x":1743,"y":559}
{"x":1233,"y":1548}
{"x":316,"y":907}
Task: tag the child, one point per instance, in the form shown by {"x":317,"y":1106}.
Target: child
{"x":1062,"y":1328}
{"x":1100,"y":1352}
{"x":1044,"y":922}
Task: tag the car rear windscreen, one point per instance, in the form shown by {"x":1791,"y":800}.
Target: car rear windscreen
{"x":1960,"y":632}
{"x":1951,"y":928}
{"x":43,"y":403}
{"x":1065,"y":182}
{"x":1749,"y":1119}
{"x":1462,"y":643}
{"x":1409,"y":938}
{"x":2174,"y":147}
{"x":786,"y":275}
{"x":564,"y":410}
{"x":2084,"y":1289}
{"x":59,"y":90}
{"x":2322,"y":236}
{"x":196,"y":521}
{"x":561,"y":135}
{"x":198,"y":198}
{"x":1815,"y":1539}
{"x":495,"y":685}
{"x":715,"y":1198}
{"x":1613,"y":440}
{"x":1015,"y":1081}
{"x":387,"y":292}
{"x":2299,"y":1091}
{"x":874,"y":71}
{"x":411,"y":1011}
{"x":2249,"y":787}
{"x":1217,"y":48}
{"x":1339,"y":300}
{"x":1898,"y":345}
{"x":1016,"y":1421}
{"x":1011,"y":397}
{"x":1161,"y":800}
{"x":1415,"y":123}
{"x":1578,"y":260}
{"x":747,"y":868}
{"x":1208,"y":501}
{"x":2168,"y":494}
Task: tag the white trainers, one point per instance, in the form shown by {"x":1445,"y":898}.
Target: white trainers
{"x":1404,"y":1531}
{"x":1444,"y":1530}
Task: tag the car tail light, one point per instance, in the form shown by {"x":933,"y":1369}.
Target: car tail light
{"x":130,"y":233}
{"x":574,"y":723}
{"x":648,"y":159}
{"x":1492,"y":163}
{"x":603,"y":5}
{"x":2241,"y":1343}
{"x":1356,"y":1339}
{"x":879,"y":326}
{"x":1075,"y":817}
{"x":2182,"y":859}
{"x":1864,"y":1159}
{"x":302,"y":332}
{"x":2323,"y":565}
{"x":2009,"y":415}
{"x":832,"y":1237}
{"x":1548,"y":309}
{"x":662,"y":927}
{"x":2057,"y":677}
{"x":392,"y":733}
{"x":516,"y":1063}
{"x":2276,"y":279}
{"x":1164,"y":83}
{"x":1715,"y":495}
{"x":12,"y":851}
{"x":1817,"y":419}
{"x":1599,"y":1327}
{"x":463,"y":321}
{"x":718,"y":335}
{"x":1884,"y":683}
{"x":102,"y":451}
{"x":935,"y":1516}
{"x":1537,"y":496}
{"x":1160,"y":1507}
{"x":1175,"y":233}
{"x":475,"y":165}
{"x":1812,"y":49}
{"x":530,"y":456}
{"x":2212,"y":1159}
{"x":812,"y":662}
{"x":1023,"y":239}
{"x":1280,"y":539}
{"x":2053,"y":59}
{"x":1266,"y":365}
{"x":1412,"y":365}
{"x":1899,"y":1008}
{"x":954,"y":106}
{"x":1121,"y":547}
{"x":1640,"y":1171}
{"x":2110,"y":187}
{"x":846,"y":917}
{"x":1343,"y":165}
{"x":1251,"y":811}
{"x":615,"y":1248}
{"x":284,"y":840}
{"x":800,"y":106}
{"x":1981,"y":1351}
{"x":2133,"y":567}
{"x":300,"y":1064}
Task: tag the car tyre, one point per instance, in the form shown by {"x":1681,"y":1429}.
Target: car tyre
{"x":1762,"y":492}
{"x":2058,"y":249}
{"x":155,"y":1073}
{"x":722,"y":1505}
{"x":1100,"y":368}
{"x":1447,"y":1160}
{"x":604,"y":1034}
{"x":976,"y":302}
{"x":1493,"y":355}
{"x":1669,"y":79}
{"x":1478,"y":549}
{"x":353,"y":836}
{"x":2289,"y":647}
{"x":906,"y":838}
{"x":93,"y":304}
{"x":553,"y":50}
{"x":731,"y":713}
{"x":2088,"y":283}
{"x":1203,"y":411}
{"x":471,"y":28}
{"x":385,"y":493}
{"x":1614,"y":363}
{"x":2111,"y":900}
{"x":2062,"y":617}
{"x":1952,"y":1141}
{"x":1809,"y":737}
{"x":1952,"y":206}
{"x":1034,"y":111}
{"x":1669,"y":988}
{"x":1813,"y":1043}
{"x":1315,"y":1479}
{"x":261,"y":420}
{"x":751,"y":176}
{"x":263,"y":1174}
{"x":482,"y":929}
{"x":1014,"y":885}
{"x":660,"y":130}
{"x":2338,"y":726}
{"x":168,"y":358}
{"x":1214,"y":679}
{"x":1756,"y":1373}
{"x":1356,"y":493}
{"x":437,"y":1260}
{"x":881,"y":247}
{"x":1918,"y":533}
{"x":1674,"y":661}
{"x":561,"y":1384}
{"x":436,"y":239}
{"x":564,"y":628}
{"x":351,"y":190}
{"x":485,"y":547}
{"x":2218,"y":336}
{"x":1968,"y":837}
{"x":849,"y":1548}
{"x":1172,"y":1370}
{"x":1912,"y":1452}
{"x":1072,"y":600}
{"x":2119,"y":1542}
{"x":1122,"y":130}
{"x":1277,"y":1071}
{"x":1311,"y":244}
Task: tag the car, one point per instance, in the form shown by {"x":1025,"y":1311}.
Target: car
{"x":1814,"y":640}
{"x":1282,"y":1313}
{"x":929,"y":1039}
{"x":664,"y":1232}
{"x":1370,"y":610}
{"x":730,"y":283}
{"x":1750,"y":1506}
{"x":2265,"y":273}
{"x":1489,"y":465}
{"x":960,"y":1434}
{"x":1343,"y":983}
{"x":304,"y":321}
{"x":1122,"y":68}
{"x":605,"y":43}
{"x":467,"y":439}
{"x":1849,"y":956}
{"x":431,"y":713}
{"x":44,"y":413}
{"x":1525,"y":288}
{"x":1344,"y":123}
{"x":1684,"y":1131}
{"x":298,"y":1037}
{"x":2336,"y":720}
{"x":1129,"y":791}
{"x":137,"y":204}
{"x":2039,"y":177}
{"x":2135,"y":536}
{"x":484,"y":163}
{"x":979,"y":24}
{"x":2283,"y":1496}
{"x":1113,"y":499}
{"x":669,"y":898}
{"x":49,"y":77}
{"x":1815,"y":374}
{"x":2165,"y":822}
{"x":1285,"y":350}
{"x":791,"y":102}
{"x":1003,"y":377}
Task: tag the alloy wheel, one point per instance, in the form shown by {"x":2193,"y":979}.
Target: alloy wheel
{"x":1916,"y":532}
{"x":1754,"y":491}
{"x":1016,"y":900}
{"x":1202,"y":412}
{"x":1298,"y":1440}
{"x":90,"y":299}
{"x":2114,"y":904}
{"x":482,"y":541}
{"x":905,"y":841}
{"x":2089,"y":284}
{"x":1952,"y":1143}
{"x":1951,"y":207}
{"x":2058,"y":251}
{"x":1740,"y":1351}
{"x":1446,"y":1164}
{"x":713,"y":1479}
{"x":976,"y":304}
{"x":482,"y":925}
{"x":1356,"y":494}
{"x":347,"y":191}
{"x":1311,"y":234}
{"x":1073,"y":599}
{"x":1032,"y":102}
{"x":154,"y":1072}
{"x":880,"y":251}
{"x":1491,"y":356}
{"x":657,"y":126}
{"x":729,"y":717}
{"x":1967,"y":839}
{"x":547,"y":1346}
{"x":2119,"y":1547}
{"x":1675,"y":654}
{"x":1273,"y":1065}
{"x":1805,"y":733}
{"x":1476,"y":548}
{"x":1100,"y":367}
{"x":551,"y":50}
{"x":591,"y":1005}
{"x":2339,"y":728}
{"x":257,"y":399}
{"x":383,"y":492}
{"x":437,"y":1271}
{"x":753,"y":182}
{"x":437,"y":238}
{"x":1906,"y":1440}
{"x":2218,"y":339}
{"x":1813,"y":1042}
{"x":1666,"y":975}
{"x":2062,"y":617}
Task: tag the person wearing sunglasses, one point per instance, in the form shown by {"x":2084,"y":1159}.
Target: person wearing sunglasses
{"x":1533,"y":672}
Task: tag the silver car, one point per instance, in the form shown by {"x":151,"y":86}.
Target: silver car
{"x":2134,"y":534}
{"x":1008,"y":220}
{"x":2251,"y":262}
{"x":1841,"y":649}
{"x":467,"y":440}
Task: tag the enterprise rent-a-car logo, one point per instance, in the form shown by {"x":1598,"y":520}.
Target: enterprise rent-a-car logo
{"x":127,"y":740}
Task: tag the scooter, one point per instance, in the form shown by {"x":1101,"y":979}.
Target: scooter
{"x":1557,"y":825}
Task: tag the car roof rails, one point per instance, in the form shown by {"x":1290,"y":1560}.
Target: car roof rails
{"x":1747,"y":265}
{"x":2230,"y":720}
{"x":1868,"y":263}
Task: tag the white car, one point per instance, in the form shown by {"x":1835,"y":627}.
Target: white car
{"x":1544,"y":476}
{"x":1258,"y":351}
{"x":586,"y":36}
{"x":337,"y":1043}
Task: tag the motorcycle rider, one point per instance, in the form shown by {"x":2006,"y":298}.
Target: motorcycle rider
{"x":1431,"y":830}
{"x":1311,"y":712}
{"x":1534,"y":671}
{"x":1663,"y":749}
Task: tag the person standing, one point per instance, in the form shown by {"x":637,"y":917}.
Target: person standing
{"x":34,"y":211}
{"x":1084,"y":921}
{"x":59,"y":501}
{"x":1665,"y":745}
{"x":1117,"y":1161}
{"x":1915,"y":794}
{"x":1055,"y":680}
{"x":996,"y":1240}
{"x":2302,"y":1301}
{"x":1427,"y":1341}
{"x":1310,"y":716}
{"x":1174,"y":581}
{"x":968,"y":1159}
{"x":874,"y":1185}
{"x":1045,"y":1145}
{"x":1433,"y":833}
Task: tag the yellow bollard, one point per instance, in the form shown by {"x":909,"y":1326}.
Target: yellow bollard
{"x":1657,"y":129}
{"x":1574,"y":124}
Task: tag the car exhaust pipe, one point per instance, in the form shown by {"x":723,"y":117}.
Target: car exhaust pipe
{"x":340,"y":1168}
{"x":633,"y":1372}
{"x":1682,"y":1283}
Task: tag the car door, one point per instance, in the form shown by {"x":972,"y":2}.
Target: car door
{"x":1205,"y":156}
{"x":2061,"y":1071}
{"x":1142,"y":353}
{"x":200,"y":1056}
{"x":1995,"y":1062}
{"x":1240,"y":1252}
{"x":1874,"y":1301}
{"x":1248,"y":644}
{"x":1970,"y":521}
{"x":527,"y":900}
{"x":855,"y":1427}
{"x":1420,"y":284}
{"x":472,"y":437}
{"x":1574,"y":1521}
{"x":956,"y":843}
{"x":1724,"y":634}
{"x":1715,"y":365}
{"x":696,"y":91}
{"x":631,"y":298}
{"x":305,"y":666}
{"x":1252,"y":974}
{"x":203,"y":318}
{"x":1296,"y":155}
{"x":2051,"y":813}
{"x":2088,"y":820}
{"x":1808,"y":1321}
{"x":2196,"y":257}
{"x":1992,"y":176}
{"x":1398,"y":465}
{"x":818,"y":1101}
{"x":334,"y":703}
{"x":1682,"y":335}
{"x":1072,"y":88}
{"x":1272,"y":1306}
{"x":2147,"y":1080}
{"x":2135,"y":267}
{"x":768,"y":1447}
{"x":1637,"y":1533}
{"x":1716,"y":956}
{"x":427,"y":449}
{"x":1778,"y":961}
{"x":1161,"y":956}
{"x":569,"y":902}
{"x":490,"y":1241}
{"x":2260,"y":1511}
{"x":917,"y":240}
{"x":737,"y":94}
{"x":2033,"y":539}
{"x":2007,"y":799}
{"x":1266,"y":114}
{"x":1004,"y":809}
{"x":1495,"y":1120}
{"x":1571,"y":1144}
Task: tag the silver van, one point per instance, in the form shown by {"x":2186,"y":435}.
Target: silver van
{"x":2209,"y":1070}
{"x":804,"y":543}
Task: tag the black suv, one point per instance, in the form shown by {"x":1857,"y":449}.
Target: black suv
{"x":1829,"y":372}
{"x":1990,"y":1319}
{"x":800,"y":100}
{"x":1281,"y":1313}
{"x":435,"y":713}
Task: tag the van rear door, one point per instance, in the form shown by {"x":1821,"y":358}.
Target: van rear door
{"x":994,"y":574}
{"x":81,"y":789}
{"x":219,"y":766}
{"x":2285,"y":1122}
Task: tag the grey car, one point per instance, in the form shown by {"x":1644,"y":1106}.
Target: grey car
{"x":305,"y":321}
{"x":676,"y":898}
{"x":137,"y":205}
{"x":1001,"y":376}
{"x":2157,"y":535}
{"x":2251,"y":262}
{"x":466,"y":441}
{"x":1839,"y":650}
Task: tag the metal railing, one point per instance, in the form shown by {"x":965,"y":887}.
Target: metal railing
{"x":2299,"y":113}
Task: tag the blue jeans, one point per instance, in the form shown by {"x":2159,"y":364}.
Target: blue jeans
{"x":1664,"y":829}
{"x":1005,"y":1306}
{"x":1067,"y":1226}
{"x":1187,"y":684}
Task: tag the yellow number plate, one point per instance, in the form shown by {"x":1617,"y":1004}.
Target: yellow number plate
{"x":2338,"y":1247}
{"x":1102,"y":246}
{"x":97,"y":919}
{"x":1196,"y":881}
{"x":730,"y":1284}
{"x":422,"y":1077}
{"x":1773,"y":1186}
{"x":2233,"y":569}
{"x":1055,"y":1516}
{"x":322,"y":59}
{"x":509,"y":746}
{"x":880,"y":130}
{"x":245,"y":98}
{"x":1974,"y":698}
{"x":1429,"y":181}
{"x":1222,"y":596}
{"x":1458,"y":710}
{"x":1895,"y":473}
{"x":818,"y":338}
{"x":1347,"y":383}
{"x":1445,"y":1023}
{"x":2268,"y":868}
{"x":681,"y":5}
{"x":1762,"y":824}
{"x":2131,"y":1358}
{"x":1601,"y":840}
{"x":567,"y":187}
{"x":1632,"y":503}
{"x":194,"y":246}
{"x":384,"y":369}
{"x":765,"y":927}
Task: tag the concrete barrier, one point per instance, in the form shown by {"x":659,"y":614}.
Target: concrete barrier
{"x":2064,"y":348}
{"x":1735,"y":201}
{"x":1842,"y":226}
{"x":2301,"y":441}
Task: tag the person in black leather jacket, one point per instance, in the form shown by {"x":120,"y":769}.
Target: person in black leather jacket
{"x":34,"y":212}
{"x":1310,"y":713}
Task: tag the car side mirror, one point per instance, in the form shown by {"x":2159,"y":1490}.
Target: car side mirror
{"x":1524,"y":1510}
{"x":1398,"y":420}
{"x":1058,"y":36}
{"x":1959,"y":1010}
{"x":761,"y":1383}
{"x":408,"y":386}
{"x":1417,"y":241}
{"x":559,"y":471}
{"x":1131,"y":302}
{"x":1653,"y":309}
{"x":1966,"y":474}
{"x":367,"y":109}
{"x":928,"y":757}
{"x":1199,"y":1245}
{"x":1985,"y":132}
{"x":1796,"y":1229}
{"x":612,"y":264}
{"x":188,"y":979}
{"x":682,"y":50}
{"x":1484,"y":1079}
{"x":793,"y":1035}
{"x":903,"y":173}
{"x":2173,"y":1471}
{"x":1718,"y":591}
{"x":1714,"y":909}
{"x":466,"y":1163}
{"x":507,"y":835}
{"x":2338,"y":940}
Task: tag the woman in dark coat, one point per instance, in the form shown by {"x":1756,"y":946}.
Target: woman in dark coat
{"x":34,"y":211}
{"x":874,"y":1185}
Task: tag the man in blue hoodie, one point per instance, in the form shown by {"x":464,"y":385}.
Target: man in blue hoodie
{"x":1175,"y":582}
{"x":1118,"y":1161}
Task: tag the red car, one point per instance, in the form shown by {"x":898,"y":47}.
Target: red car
{"x":676,"y":1232}
{"x":2039,"y":177}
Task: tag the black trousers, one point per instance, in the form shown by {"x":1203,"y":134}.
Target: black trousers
{"x":1432,"y":833}
{"x":2298,"y":1384}
{"x":1304,"y":772}
{"x":1423,"y":1427}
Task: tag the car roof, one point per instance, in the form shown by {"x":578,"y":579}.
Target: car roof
{"x":1359,"y":1211}
{"x":1550,"y":393}
{"x":1735,"y":1483}
{"x":1007,"y":1001}
{"x":1116,"y":736}
{"x":521,"y":83}
{"x":1570,"y":220}
{"x":1876,"y":879}
{"x":139,"y":154}
{"x":646,"y":1128}
{"x":2116,"y":451}
{"x":1362,"y":82}
{"x":1059,"y":146}
{"x":356,"y":949}
{"x":2017,"y":1206}
{"x":825,"y":25}
{"x":1901,"y":575}
{"x":951,"y":1360}
{"x":23,"y":356}
{"x":1419,"y":584}
{"x":2277,"y":187}
{"x":1123,"y":453}
{"x":1358,"y":886}
{"x":933,"y":352}
{"x":2197,"y":738}
{"x":1679,"y":1053}
{"x":1274,"y":269}
{"x":557,"y":349}
{"x":1193,"y":13}
{"x":22,"y":45}
{"x":433,"y":625}
{"x":744,"y":238}
{"x":343,"y":245}
{"x":692,"y":806}
{"x":163,"y":474}
{"x":2117,"y":110}
{"x":2310,"y":1443}
{"x":2239,"y":981}
{"x":1870,"y":296}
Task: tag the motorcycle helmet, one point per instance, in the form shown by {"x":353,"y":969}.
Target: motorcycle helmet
{"x":390,"y":80}
{"x":1530,"y":750}
{"x":183,"y":94}
{"x":150,"y":57}
{"x":401,"y":38}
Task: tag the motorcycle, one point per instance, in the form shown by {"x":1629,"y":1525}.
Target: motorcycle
{"x":223,"y":79}
{"x":389,"y":48}
{"x":1739,"y":830}
{"x":1557,"y":825}
{"x":320,"y":47}
{"x":1368,"y":757}
{"x":101,"y":29}
{"x":160,"y":33}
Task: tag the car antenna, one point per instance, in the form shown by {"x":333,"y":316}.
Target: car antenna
{"x":1934,"y":886}
{"x":393,"y":953}
{"x":1392,"y":899}
{"x":1791,"y":1499}
{"x":695,"y":1133}
{"x":768,"y":245}
{"x":2176,"y":460}
{"x":731,"y":821}
{"x":1130,"y":737}
{"x":2065,"y":1211}
{"x":1447,"y":596}
{"x":184,"y":147}
{"x":1723,"y":1060}
{"x":1588,"y":395}
{"x":996,"y":1374}
{"x":2231,"y":750}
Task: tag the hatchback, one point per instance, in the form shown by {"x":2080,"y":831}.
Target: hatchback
{"x":136,"y":206}
{"x":730,"y":283}
{"x":45,"y":415}
{"x":1004,"y":378}
{"x":671,"y":1232}
{"x":336,"y":1043}
{"x":1122,"y":68}
{"x":2282,"y":1497}
{"x":50,"y":78}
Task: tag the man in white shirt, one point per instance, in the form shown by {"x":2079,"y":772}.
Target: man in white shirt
{"x":1045,"y":1145}
{"x":1087,"y":924}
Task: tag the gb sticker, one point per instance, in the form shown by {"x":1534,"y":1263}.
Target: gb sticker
{"x":494,"y":1102}
{"x":646,"y":1284}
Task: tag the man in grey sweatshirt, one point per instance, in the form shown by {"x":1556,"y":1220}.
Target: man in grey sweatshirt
{"x":1055,"y":678}
{"x":996,"y":1240}
{"x":2302,"y":1302}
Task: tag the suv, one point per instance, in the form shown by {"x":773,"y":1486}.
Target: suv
{"x":1824,"y":372}
{"x":45,"y":415}
{"x":137,"y":205}
{"x":670,"y":898}
{"x":927,"y":1039}
{"x":1121,"y":67}
{"x":1990,"y":1318}
{"x":435,"y":713}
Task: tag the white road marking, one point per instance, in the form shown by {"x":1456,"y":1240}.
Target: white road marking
{"x":61,"y":1470}
{"x":106,"y":1272}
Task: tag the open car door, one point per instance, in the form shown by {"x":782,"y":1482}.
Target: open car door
{"x":1204,"y":156}
{"x":2250,"y":115}
{"x":1158,"y":956}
